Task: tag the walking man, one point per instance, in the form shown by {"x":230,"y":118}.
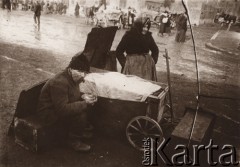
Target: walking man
{"x":37,"y":14}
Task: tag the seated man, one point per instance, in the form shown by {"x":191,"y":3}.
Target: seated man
{"x":60,"y":101}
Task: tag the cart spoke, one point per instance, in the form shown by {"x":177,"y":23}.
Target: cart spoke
{"x":132,"y":134}
{"x":137,"y":141}
{"x":134,"y":141}
{"x":155,"y":135}
{"x":146,"y":123}
{"x":135,"y":128}
{"x":155,"y":125}
{"x":140,"y":126}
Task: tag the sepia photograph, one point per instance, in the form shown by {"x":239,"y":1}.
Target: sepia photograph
{"x":119,"y":83}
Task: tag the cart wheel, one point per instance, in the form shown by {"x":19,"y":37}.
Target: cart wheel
{"x":142,"y":127}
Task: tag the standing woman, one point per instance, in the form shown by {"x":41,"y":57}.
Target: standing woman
{"x":136,"y":43}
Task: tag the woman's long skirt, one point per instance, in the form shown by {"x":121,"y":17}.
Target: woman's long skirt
{"x":141,"y":65}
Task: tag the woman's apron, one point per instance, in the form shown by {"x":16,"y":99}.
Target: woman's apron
{"x":141,"y":65}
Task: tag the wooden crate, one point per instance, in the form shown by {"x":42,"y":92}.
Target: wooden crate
{"x":36,"y":136}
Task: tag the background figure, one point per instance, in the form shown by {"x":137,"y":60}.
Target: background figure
{"x":37,"y":14}
{"x":77,"y":10}
{"x":42,"y":5}
{"x":60,"y":11}
{"x":64,"y":9}
{"x":31,"y":5}
{"x":181,"y":25}
{"x":3,"y":4}
{"x":25,"y":5}
{"x":122,"y":19}
{"x":46,"y":8}
{"x":130,"y":17}
{"x":8,"y":5}
{"x":168,"y":25}
{"x":55,"y":7}
{"x":14,"y":4}
{"x":137,"y":42}
{"x":163,"y":23}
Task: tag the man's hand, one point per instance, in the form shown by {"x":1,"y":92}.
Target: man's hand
{"x":91,"y":102}
{"x":89,"y":99}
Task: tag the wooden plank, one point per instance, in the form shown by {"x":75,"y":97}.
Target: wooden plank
{"x":202,"y":128}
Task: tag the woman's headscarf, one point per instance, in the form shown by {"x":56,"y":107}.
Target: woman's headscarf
{"x":140,"y":22}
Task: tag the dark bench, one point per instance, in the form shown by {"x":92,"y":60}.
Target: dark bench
{"x":26,"y":128}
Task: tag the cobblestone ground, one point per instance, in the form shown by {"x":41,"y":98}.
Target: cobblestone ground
{"x":28,"y":56}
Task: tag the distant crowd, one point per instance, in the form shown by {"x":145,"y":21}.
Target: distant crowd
{"x":55,"y":8}
{"x":164,"y":21}
{"x":28,"y":5}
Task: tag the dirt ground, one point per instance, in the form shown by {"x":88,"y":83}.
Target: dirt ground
{"x":26,"y":60}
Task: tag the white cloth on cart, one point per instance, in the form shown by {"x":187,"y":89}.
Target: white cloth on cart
{"x":115,"y":85}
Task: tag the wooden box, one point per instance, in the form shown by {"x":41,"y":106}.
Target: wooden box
{"x":34,"y":135}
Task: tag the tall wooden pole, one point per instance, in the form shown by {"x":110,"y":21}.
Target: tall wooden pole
{"x":169,"y":84}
